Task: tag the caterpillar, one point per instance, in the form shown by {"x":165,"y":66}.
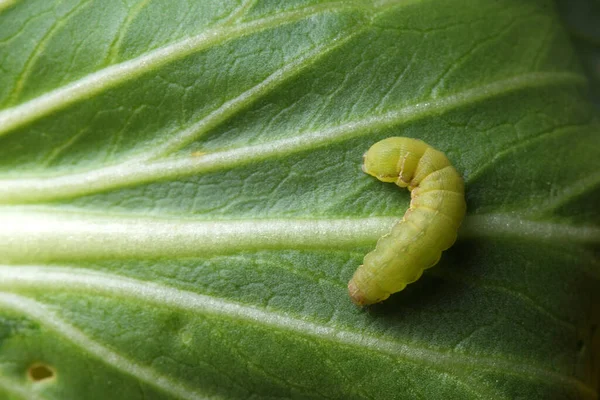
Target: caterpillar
{"x":429,"y":226}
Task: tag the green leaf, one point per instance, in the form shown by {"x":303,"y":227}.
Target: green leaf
{"x":582,"y":19}
{"x":182,"y":204}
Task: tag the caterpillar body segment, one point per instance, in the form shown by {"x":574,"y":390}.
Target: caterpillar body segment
{"x":428,"y":227}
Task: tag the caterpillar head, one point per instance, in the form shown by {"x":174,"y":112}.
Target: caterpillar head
{"x":381,"y":160}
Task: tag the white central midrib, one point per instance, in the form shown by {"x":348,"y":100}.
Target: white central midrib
{"x":37,"y":236}
{"x":13,"y":279}
{"x":30,"y":236}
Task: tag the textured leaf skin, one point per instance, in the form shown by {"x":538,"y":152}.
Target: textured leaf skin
{"x":182,"y":204}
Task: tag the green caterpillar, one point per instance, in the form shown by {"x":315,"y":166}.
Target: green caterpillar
{"x":430,"y":225}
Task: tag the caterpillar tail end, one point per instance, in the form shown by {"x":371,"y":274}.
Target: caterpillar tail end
{"x":361,"y":298}
{"x":356,"y":295}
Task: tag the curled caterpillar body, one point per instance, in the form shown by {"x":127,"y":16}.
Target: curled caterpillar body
{"x":430,"y":225}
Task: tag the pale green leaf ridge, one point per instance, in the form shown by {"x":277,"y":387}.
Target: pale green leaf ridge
{"x":135,"y":172}
{"x":50,"y":279}
{"x":78,"y":236}
{"x":112,"y":76}
{"x":42,"y":314}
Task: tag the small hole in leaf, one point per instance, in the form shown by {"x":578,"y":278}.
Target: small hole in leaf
{"x":40,"y":372}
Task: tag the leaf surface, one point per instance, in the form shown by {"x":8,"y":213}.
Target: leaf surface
{"x":182,"y":204}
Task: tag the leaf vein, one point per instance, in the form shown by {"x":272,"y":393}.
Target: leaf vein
{"x":41,"y":45}
{"x":5,"y":4}
{"x":44,"y":315}
{"x":105,"y":284}
{"x":180,"y":138}
{"x":106,"y":78}
{"x":133,"y":173}
{"x":115,"y":46}
{"x":521,"y":297}
{"x":18,"y":390}
{"x":27,"y":236}
{"x":491,"y":161}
